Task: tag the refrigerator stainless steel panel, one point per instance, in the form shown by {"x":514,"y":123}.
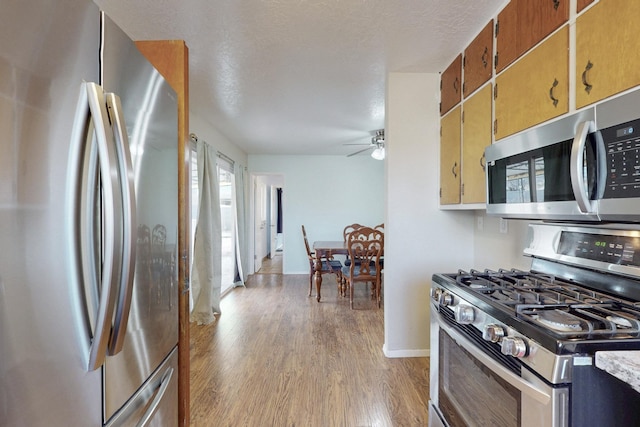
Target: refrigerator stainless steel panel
{"x":151,"y":116}
{"x":154,"y":401}
{"x":48,"y":49}
{"x":71,"y":229}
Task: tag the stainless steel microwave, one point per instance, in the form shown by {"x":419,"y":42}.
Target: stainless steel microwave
{"x":584,"y":167}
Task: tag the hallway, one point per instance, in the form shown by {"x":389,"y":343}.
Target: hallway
{"x":272,"y":265}
{"x":276,"y":357}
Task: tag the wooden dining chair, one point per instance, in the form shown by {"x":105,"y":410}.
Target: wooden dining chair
{"x":380,"y":227}
{"x":345,"y":235}
{"x":329,"y":265}
{"x":365,"y":247}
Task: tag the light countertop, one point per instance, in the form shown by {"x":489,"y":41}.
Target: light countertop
{"x":624,"y":365}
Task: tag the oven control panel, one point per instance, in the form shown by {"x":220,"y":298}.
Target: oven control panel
{"x":452,"y":308}
{"x":601,"y":248}
{"x":464,"y":313}
{"x":611,"y":249}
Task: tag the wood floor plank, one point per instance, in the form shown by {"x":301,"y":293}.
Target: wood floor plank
{"x":276,"y":357}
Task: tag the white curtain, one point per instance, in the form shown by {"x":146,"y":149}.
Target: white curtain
{"x":241,"y":189}
{"x":206,"y":279}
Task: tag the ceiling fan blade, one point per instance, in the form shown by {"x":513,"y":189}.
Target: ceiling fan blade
{"x":360,"y":151}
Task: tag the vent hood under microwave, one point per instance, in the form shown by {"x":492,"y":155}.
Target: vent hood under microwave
{"x":584,"y":167}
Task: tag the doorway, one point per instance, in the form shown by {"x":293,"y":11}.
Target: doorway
{"x":268,"y":219}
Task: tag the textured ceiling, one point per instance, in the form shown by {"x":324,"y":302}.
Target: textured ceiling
{"x":302,"y":76}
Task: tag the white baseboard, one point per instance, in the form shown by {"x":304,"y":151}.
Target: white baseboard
{"x":405,"y":353}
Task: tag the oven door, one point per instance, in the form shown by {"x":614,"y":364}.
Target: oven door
{"x":469,"y":387}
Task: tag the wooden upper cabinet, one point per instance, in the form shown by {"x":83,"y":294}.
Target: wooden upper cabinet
{"x":535,"y":88}
{"x":476,"y":136}
{"x":583,"y":3}
{"x":607,"y":61}
{"x":451,"y":86}
{"x":524,"y":23}
{"x":450,"y":169}
{"x":477,"y":62}
{"x":506,"y":32}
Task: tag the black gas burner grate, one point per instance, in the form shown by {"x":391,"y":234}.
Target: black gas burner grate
{"x":563,"y":308}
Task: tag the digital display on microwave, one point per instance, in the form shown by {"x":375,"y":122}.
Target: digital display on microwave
{"x":620,"y":250}
{"x":625,"y":131}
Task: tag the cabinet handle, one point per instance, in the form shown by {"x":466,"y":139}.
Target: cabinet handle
{"x":556,"y":4}
{"x":453,"y":169}
{"x":554,"y":99}
{"x":483,"y":162}
{"x":485,"y":55}
{"x":456,"y":84}
{"x":587,"y":86}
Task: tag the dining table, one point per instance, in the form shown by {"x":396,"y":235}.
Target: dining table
{"x":323,"y":249}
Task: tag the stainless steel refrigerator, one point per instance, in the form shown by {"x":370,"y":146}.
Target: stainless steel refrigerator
{"x":88,"y":223}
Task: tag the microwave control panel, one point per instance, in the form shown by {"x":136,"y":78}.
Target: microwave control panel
{"x":622,"y":145}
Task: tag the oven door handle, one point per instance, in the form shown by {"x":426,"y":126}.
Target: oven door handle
{"x":519,"y":383}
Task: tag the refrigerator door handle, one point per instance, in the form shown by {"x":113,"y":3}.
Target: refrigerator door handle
{"x":153,"y":407}
{"x":86,"y":254}
{"x":128,"y":255}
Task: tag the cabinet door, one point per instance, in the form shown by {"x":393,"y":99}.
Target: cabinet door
{"x":582,"y":4}
{"x":476,"y":136}
{"x":537,"y":19}
{"x":506,"y":30}
{"x":607,"y":61}
{"x":451,"y":86}
{"x":450,"y":158}
{"x":527,"y":22}
{"x":477,"y":60}
{"x":535,"y":88}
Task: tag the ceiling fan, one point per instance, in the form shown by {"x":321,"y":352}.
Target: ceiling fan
{"x":376,"y":144}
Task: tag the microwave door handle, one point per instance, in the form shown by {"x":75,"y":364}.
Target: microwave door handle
{"x":128,"y":249}
{"x":519,"y":383}
{"x":577,"y":164}
{"x":601,"y":169}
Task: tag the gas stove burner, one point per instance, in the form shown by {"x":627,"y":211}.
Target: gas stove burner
{"x":477,"y":284}
{"x":559,"y":321}
{"x":620,"y":322}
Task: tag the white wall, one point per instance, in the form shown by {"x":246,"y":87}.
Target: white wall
{"x":420,"y":238}
{"x":323,"y":193}
{"x":207,"y":132}
{"x":495,"y":250}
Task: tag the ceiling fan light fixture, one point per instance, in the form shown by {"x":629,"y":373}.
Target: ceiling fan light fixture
{"x":378,"y":153}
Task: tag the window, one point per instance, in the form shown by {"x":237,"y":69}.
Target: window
{"x":228,"y":216}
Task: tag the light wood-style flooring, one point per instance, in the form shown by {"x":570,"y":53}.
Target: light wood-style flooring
{"x":276,"y":357}
{"x":272,"y":265}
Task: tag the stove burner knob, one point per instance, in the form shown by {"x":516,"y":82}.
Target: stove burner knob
{"x":493,"y":333}
{"x":435,"y":294}
{"x":513,"y":346}
{"x":465,"y":314}
{"x":446,"y":299}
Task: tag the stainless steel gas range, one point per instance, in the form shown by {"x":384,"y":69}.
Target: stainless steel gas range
{"x":516,"y":348}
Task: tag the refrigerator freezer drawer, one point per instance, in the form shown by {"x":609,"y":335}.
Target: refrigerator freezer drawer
{"x":156,"y":403}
